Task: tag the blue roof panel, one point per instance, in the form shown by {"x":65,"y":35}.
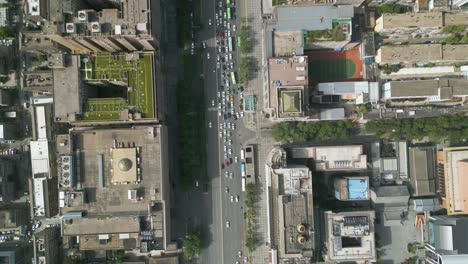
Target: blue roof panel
{"x":358,"y":189}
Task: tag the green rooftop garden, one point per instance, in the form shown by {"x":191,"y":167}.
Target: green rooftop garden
{"x":135,"y":74}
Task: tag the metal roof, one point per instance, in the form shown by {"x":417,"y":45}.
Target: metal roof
{"x":332,"y":114}
{"x":313,"y":17}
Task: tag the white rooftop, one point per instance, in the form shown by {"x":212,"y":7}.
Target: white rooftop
{"x":41,"y":126}
{"x":39,"y":157}
{"x":39,"y":202}
{"x":350,"y":236}
{"x":350,"y":157}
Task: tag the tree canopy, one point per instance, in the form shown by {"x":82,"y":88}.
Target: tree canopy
{"x":192,"y":246}
{"x":391,"y":8}
{"x":297,"y":132}
{"x":454,"y":128}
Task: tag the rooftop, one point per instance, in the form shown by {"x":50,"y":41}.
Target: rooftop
{"x":294,"y":205}
{"x":40,"y":157}
{"x":330,"y":158}
{"x":423,"y":169}
{"x":332,"y":114}
{"x":421,"y":53}
{"x":350,"y":236}
{"x":101,"y":153}
{"x":455,"y":180}
{"x":355,"y":91}
{"x":95,"y":226}
{"x":391,"y":21}
{"x":310,"y":17}
{"x":352,"y":188}
{"x":67,"y":102}
{"x":291,"y":76}
{"x":124,"y":165}
{"x":434,"y":90}
{"x":128,"y":80}
{"x":419,"y":20}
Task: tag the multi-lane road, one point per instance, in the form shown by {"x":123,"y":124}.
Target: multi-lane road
{"x":226,"y":241}
{"x":209,"y":211}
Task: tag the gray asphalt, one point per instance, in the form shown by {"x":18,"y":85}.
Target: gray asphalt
{"x":226,"y":242}
{"x":195,"y":210}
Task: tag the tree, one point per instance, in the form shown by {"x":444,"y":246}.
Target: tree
{"x":410,"y":248}
{"x":362,"y":109}
{"x":5,"y":32}
{"x":117,"y":255}
{"x":72,"y":260}
{"x":246,"y":69}
{"x":296,"y":132}
{"x":391,"y":8}
{"x":454,"y":128}
{"x":192,"y":246}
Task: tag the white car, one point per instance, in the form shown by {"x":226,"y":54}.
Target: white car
{"x":228,"y":224}
{"x":237,"y":198}
{"x":230,"y":142}
{"x":230,"y":175}
{"x":235,"y":159}
{"x":226,"y":174}
{"x":230,"y":151}
{"x":210,"y":125}
{"x":226,"y":189}
{"x":204,"y":45}
{"x":230,"y":56}
{"x":220,"y":134}
{"x":219,"y":113}
{"x":233,"y":124}
{"x":232,"y":199}
{"x":208,"y":55}
{"x":241,"y":95}
{"x":242,"y":113}
{"x":231,"y":65}
{"x":234,"y":28}
{"x":219,"y":94}
{"x":212,"y":103}
{"x":209,"y":22}
{"x":225,"y":148}
{"x":226,"y":57}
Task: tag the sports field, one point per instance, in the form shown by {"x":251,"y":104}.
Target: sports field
{"x":331,"y":66}
{"x":136,"y":74}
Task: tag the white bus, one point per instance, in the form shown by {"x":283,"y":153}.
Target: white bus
{"x":243,"y":184}
{"x":242,"y":154}
{"x":230,"y":44}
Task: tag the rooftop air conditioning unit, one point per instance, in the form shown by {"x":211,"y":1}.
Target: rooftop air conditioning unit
{"x":95,"y":27}
{"x":70,"y":28}
{"x":82,"y":16}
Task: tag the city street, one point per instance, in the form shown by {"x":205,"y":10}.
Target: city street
{"x":209,"y":212}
